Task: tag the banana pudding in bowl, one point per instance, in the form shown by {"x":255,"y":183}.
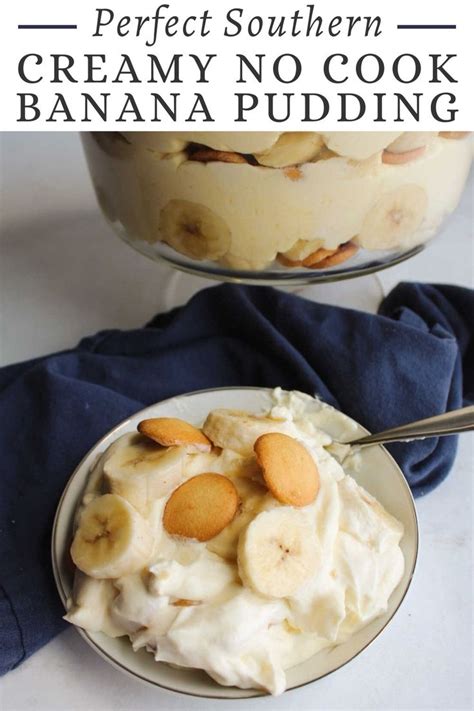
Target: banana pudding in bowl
{"x":271,"y":206}
{"x":242,"y":548}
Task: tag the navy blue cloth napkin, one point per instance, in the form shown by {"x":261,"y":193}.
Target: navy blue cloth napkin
{"x":413,"y":360}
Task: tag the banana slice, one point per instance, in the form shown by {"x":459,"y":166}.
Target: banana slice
{"x":252,"y":496}
{"x":292,"y":149}
{"x":301,"y":249}
{"x":401,"y":158}
{"x":158,"y":141}
{"x":278,"y":553}
{"x":454,"y":135}
{"x":238,"y":431}
{"x":141,"y":472}
{"x":176,"y":141}
{"x":91,"y":603}
{"x":194,"y":230}
{"x":411,"y":140}
{"x":248,"y":142}
{"x":359,"y":145}
{"x":394,"y":218}
{"x":112,"y":539}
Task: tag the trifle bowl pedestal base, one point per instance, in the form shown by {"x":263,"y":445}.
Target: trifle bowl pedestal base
{"x":364,"y":293}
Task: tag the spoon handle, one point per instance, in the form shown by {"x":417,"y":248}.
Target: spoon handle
{"x":449,"y":423}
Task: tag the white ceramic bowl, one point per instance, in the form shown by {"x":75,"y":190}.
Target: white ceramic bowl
{"x":379,"y":474}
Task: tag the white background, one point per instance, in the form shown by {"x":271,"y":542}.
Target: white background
{"x":63,"y":275}
{"x":15,"y":43}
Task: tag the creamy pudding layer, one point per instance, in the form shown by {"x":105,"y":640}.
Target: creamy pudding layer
{"x":275,"y":586}
{"x":249,"y":201}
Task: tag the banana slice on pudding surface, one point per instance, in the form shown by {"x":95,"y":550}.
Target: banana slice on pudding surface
{"x":278,"y":552}
{"x":112,"y":540}
{"x":238,"y":431}
{"x":141,"y":471}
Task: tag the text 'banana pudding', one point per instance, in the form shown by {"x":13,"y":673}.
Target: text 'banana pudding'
{"x":242,"y":548}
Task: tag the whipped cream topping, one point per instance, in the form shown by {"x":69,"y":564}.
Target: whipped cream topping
{"x":189,"y":606}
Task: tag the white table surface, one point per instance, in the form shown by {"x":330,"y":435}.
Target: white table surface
{"x":63,"y":275}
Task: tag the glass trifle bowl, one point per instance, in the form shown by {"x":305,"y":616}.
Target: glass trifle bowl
{"x":281,"y":208}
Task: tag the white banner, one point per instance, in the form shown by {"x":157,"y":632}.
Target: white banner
{"x":237,"y":65}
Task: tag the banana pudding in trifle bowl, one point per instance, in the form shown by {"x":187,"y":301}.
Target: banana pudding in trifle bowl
{"x":237,"y":542}
{"x":281,"y":208}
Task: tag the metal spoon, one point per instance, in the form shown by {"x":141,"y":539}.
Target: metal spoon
{"x":449,"y":423}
